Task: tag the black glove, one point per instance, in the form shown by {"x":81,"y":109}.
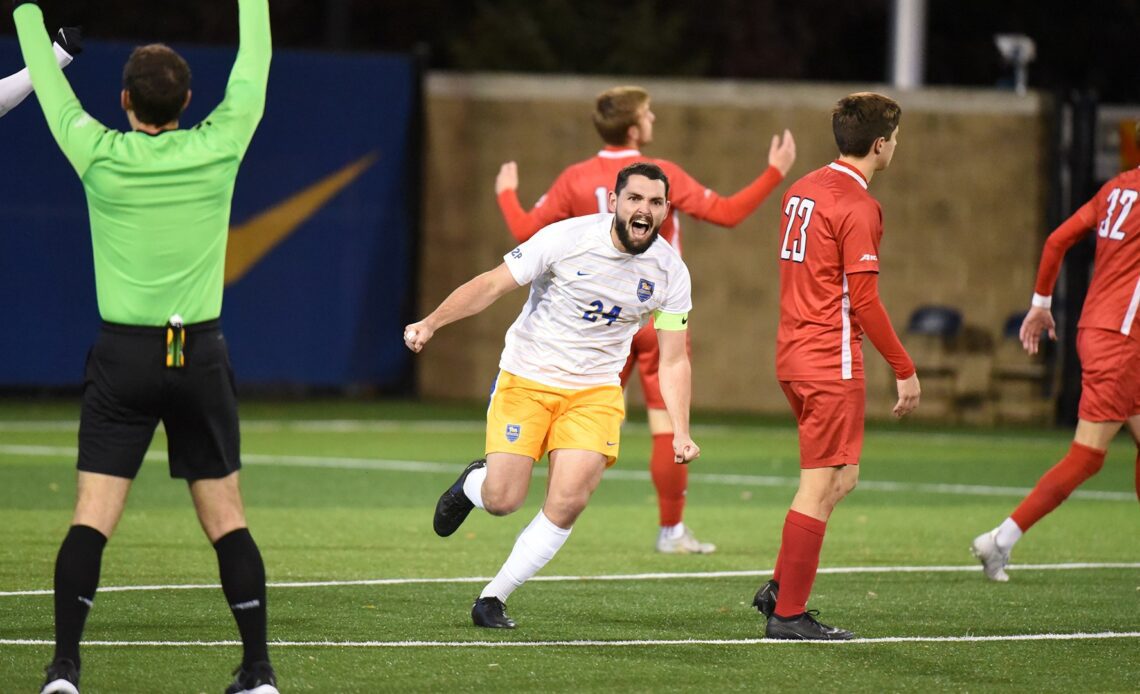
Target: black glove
{"x":70,"y":39}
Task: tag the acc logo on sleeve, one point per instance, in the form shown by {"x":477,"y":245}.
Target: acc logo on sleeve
{"x":513,"y":431}
{"x":644,"y":290}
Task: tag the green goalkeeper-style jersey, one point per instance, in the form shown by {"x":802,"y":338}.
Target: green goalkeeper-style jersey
{"x":159,"y":205}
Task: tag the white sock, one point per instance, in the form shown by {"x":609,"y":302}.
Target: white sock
{"x":1007,"y":535}
{"x":536,"y":545}
{"x":473,"y":486}
{"x":672,"y":532}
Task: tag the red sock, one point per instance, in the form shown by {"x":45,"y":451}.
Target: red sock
{"x":669,"y":478}
{"x":798,"y":561}
{"x":1057,"y":484}
{"x":776,"y":569}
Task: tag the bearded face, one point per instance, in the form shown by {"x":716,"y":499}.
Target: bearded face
{"x":638,"y":232}
{"x":639,"y":213}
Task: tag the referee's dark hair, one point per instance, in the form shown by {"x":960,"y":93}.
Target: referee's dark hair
{"x":157,"y":80}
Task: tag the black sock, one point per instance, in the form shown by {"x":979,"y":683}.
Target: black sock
{"x":243,"y":582}
{"x":76,"y":578}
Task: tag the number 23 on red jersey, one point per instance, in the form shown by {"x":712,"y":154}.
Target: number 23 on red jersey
{"x":795,"y":239}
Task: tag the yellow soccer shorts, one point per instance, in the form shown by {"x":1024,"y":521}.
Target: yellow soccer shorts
{"x":528,"y":418}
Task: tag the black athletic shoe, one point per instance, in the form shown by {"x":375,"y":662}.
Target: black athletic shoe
{"x":453,"y":505}
{"x":765,"y":599}
{"x":62,"y":678}
{"x":491,"y":613}
{"x":258,"y":678}
{"x":805,"y":627}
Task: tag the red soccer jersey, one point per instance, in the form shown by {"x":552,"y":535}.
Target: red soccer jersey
{"x":584,"y":188}
{"x":1114,"y":293}
{"x":832,"y":227}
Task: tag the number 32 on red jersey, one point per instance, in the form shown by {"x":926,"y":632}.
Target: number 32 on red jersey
{"x":1106,"y":229}
{"x":801,"y":209}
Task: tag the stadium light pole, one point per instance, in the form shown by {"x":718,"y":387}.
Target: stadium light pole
{"x":908,"y":43}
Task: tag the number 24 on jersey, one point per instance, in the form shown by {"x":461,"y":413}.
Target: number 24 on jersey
{"x":795,"y":243}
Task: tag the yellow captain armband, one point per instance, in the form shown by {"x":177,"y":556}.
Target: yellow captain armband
{"x":670,"y":321}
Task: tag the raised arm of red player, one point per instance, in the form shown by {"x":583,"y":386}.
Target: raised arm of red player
{"x":693,"y":198}
{"x":552,"y":207}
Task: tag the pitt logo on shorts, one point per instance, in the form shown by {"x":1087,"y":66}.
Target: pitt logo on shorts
{"x":525,"y":417}
{"x":644,"y":290}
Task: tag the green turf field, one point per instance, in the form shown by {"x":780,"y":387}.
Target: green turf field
{"x":364,"y":597}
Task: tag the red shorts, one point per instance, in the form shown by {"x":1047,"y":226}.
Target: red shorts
{"x":646,"y":353}
{"x":1110,"y":375}
{"x":830,"y":418}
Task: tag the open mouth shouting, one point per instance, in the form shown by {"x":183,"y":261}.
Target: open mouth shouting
{"x":637,"y":234}
{"x":639,"y":205}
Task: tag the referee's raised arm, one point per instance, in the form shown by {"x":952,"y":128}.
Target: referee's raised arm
{"x":240,"y":111}
{"x":73,"y":129}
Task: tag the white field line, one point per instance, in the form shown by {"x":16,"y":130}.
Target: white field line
{"x":466,"y":426}
{"x":271,"y":426}
{"x":352,"y":463}
{"x":968,"y":638}
{"x":972,"y":568}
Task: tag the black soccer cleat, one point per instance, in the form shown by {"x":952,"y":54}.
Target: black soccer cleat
{"x":257,"y":678}
{"x":490,"y":612}
{"x":62,"y":678}
{"x":765,"y":599}
{"x":804,"y":627}
{"x":453,"y":505}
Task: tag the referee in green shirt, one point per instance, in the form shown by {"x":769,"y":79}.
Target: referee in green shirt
{"x":159,"y":202}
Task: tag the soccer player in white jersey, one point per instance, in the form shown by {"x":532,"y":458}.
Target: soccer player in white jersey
{"x":16,"y":87}
{"x":594,"y":281}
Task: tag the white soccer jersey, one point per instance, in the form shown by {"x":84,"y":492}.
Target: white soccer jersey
{"x":587,"y":299}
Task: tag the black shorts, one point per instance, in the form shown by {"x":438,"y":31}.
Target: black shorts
{"x":128,"y":390}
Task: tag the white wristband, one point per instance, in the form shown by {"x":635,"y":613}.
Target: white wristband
{"x":62,"y":57}
{"x":1045,"y":302}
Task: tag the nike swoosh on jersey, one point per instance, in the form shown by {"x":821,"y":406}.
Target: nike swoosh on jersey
{"x":253,"y":240}
{"x":582,"y":274}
